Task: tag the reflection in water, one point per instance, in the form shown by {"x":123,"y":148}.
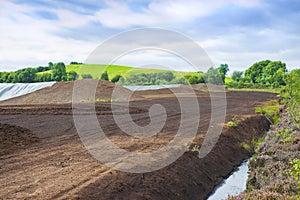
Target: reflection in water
{"x":233,"y":185}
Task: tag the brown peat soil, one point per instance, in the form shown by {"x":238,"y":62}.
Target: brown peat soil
{"x":42,"y":156}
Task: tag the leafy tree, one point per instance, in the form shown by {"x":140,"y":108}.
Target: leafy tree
{"x":182,"y":81}
{"x":292,"y":95}
{"x":168,"y":76}
{"x":50,"y":65}
{"x":104,"y":76}
{"x":194,"y":78}
{"x":44,"y":77}
{"x":150,"y":78}
{"x":26,"y":75}
{"x":267,"y":73}
{"x":223,"y":69}
{"x":59,"y":72}
{"x":75,"y":63}
{"x":72,"y":76}
{"x":4,"y":77}
{"x":42,"y":69}
{"x":212,"y":76}
{"x":237,"y":76}
{"x":254,"y":73}
{"x":116,"y":78}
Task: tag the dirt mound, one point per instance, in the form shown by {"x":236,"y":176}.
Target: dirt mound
{"x":13,"y":138}
{"x":62,"y":92}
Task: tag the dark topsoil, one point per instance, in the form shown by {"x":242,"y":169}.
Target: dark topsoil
{"x":43,"y":157}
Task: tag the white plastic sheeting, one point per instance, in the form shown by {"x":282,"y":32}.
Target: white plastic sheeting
{"x":8,"y":91}
{"x":150,"y":87}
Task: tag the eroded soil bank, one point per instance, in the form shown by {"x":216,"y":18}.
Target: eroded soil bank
{"x":274,"y":169}
{"x":57,"y":166}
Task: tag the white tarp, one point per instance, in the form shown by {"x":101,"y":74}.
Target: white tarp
{"x":149,"y":87}
{"x":9,"y":90}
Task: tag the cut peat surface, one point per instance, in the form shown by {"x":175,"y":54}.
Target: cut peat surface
{"x":56,"y":165}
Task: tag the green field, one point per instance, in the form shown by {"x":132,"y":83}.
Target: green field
{"x":95,"y":70}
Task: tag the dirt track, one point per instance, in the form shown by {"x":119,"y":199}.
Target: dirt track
{"x":57,"y":166}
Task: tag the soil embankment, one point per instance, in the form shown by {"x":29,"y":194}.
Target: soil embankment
{"x":61,"y":93}
{"x":13,"y":138}
{"x":274,"y":169}
{"x":58,"y":166}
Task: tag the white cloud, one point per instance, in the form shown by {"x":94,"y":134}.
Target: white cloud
{"x":28,"y":41}
{"x":119,"y":15}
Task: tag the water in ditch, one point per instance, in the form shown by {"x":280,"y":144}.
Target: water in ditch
{"x":233,"y":185}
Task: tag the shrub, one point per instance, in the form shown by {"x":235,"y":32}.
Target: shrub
{"x":86,"y":76}
{"x":234,"y":122}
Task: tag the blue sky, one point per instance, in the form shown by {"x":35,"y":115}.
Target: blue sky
{"x":237,"y":32}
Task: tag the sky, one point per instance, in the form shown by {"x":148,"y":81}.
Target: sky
{"x":236,"y":32}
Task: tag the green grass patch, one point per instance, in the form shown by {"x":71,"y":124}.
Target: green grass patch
{"x":234,"y":122}
{"x":270,"y":109}
{"x":246,"y":146}
{"x":95,"y":70}
{"x":271,"y":90}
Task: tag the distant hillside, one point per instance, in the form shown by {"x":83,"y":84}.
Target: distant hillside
{"x":95,"y":70}
{"x":122,"y":75}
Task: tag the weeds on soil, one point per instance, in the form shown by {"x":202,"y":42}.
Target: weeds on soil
{"x":234,"y":122}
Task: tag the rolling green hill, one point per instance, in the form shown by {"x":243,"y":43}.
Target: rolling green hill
{"x":95,"y":70}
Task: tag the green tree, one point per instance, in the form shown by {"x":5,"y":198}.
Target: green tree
{"x":4,"y":77}
{"x":168,"y":76}
{"x":59,"y":72}
{"x":116,"y":78}
{"x":267,"y":73}
{"x":104,"y":76}
{"x":44,"y":77}
{"x":75,"y":63}
{"x":42,"y":69}
{"x":291,"y":94}
{"x":223,"y":69}
{"x":237,"y":76}
{"x":212,"y":76}
{"x":50,"y":65}
{"x":72,"y":76}
{"x":194,"y":78}
{"x":254,"y":73}
{"x":182,"y":81}
{"x":26,"y":75}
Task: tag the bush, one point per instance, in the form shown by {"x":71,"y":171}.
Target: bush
{"x":86,"y":76}
{"x":116,"y":78}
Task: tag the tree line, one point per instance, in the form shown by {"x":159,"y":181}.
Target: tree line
{"x":31,"y":75}
{"x":263,"y":74}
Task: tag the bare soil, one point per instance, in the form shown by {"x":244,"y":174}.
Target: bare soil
{"x":52,"y":162}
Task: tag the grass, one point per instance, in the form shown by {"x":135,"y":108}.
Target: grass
{"x":246,"y":146}
{"x":95,"y":70}
{"x":271,"y":90}
{"x":270,"y":109}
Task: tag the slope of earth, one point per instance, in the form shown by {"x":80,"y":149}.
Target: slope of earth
{"x":62,"y":92}
{"x":58,"y":166}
